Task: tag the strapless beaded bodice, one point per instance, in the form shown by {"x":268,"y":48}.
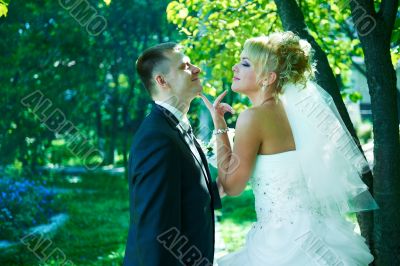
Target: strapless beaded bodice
{"x":279,"y":187}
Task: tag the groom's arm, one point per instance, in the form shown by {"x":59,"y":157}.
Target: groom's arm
{"x":157,"y":199}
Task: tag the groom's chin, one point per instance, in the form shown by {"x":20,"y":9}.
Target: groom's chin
{"x":198,"y":89}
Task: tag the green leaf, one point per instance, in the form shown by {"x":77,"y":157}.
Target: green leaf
{"x":183,"y":13}
{"x":355,"y":96}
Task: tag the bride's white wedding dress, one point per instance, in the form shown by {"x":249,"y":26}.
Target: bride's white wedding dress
{"x":289,"y":230}
{"x":301,"y":196}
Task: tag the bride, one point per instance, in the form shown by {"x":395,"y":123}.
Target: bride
{"x":302,"y":163}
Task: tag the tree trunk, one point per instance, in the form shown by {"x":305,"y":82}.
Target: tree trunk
{"x":126,"y":124}
{"x":293,"y":20}
{"x":125,"y":133}
{"x":99,"y":128}
{"x":113,"y":132}
{"x":381,"y":79}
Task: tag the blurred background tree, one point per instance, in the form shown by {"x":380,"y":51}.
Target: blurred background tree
{"x":91,"y":79}
{"x":51,"y":47}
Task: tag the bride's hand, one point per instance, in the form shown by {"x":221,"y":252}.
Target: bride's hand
{"x":217,"y":109}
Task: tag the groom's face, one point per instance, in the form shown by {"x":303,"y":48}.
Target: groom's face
{"x":183,"y":77}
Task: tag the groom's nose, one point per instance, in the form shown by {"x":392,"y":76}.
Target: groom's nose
{"x":196,"y":70}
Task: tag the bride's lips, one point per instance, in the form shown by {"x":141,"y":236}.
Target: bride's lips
{"x":235,"y":78}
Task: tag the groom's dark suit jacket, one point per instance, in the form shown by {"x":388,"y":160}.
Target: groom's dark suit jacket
{"x":172,"y":198}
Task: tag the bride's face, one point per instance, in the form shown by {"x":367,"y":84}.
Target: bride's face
{"x":244,"y":76}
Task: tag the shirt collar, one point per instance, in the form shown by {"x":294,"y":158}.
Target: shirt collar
{"x":182,"y":118}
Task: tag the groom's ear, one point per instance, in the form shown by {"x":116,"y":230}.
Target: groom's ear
{"x":161,"y":81}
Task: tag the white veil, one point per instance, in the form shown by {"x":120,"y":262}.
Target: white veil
{"x":331,"y":162}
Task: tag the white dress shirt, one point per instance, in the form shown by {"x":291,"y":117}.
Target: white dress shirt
{"x":185,"y":125}
{"x":182,"y":118}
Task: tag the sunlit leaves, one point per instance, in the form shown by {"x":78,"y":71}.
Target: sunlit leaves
{"x":216,"y":30}
{"x":123,"y":81}
{"x":3,"y":8}
{"x":183,"y":13}
{"x":354,"y":96}
{"x":395,"y":51}
{"x":209,"y":90}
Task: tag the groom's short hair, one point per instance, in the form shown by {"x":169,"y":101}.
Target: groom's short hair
{"x":154,"y":59}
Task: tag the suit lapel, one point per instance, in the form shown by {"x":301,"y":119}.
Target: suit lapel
{"x":195,"y":153}
{"x":202,"y":161}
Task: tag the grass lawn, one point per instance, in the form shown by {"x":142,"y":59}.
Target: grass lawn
{"x":96,"y":230}
{"x":236,"y":217}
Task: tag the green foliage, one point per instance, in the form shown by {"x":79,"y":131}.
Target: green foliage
{"x":23,"y":204}
{"x":90,"y":79}
{"x":395,"y":47}
{"x":3,"y":7}
{"x":14,"y":170}
{"x":215,"y":31}
{"x":238,"y":214}
{"x":353,"y":96}
{"x":364,"y":132}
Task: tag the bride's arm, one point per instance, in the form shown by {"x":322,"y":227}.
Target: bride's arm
{"x":235,"y":167}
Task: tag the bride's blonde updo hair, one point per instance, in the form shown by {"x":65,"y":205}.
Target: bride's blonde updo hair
{"x":283,"y":53}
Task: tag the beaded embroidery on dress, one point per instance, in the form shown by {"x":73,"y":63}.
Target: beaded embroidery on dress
{"x":301,"y":196}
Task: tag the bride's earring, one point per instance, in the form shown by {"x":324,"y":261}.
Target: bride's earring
{"x":264,"y":87}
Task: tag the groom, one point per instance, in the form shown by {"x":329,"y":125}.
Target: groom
{"x":172,"y":197}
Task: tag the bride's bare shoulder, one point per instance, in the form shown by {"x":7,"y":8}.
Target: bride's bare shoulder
{"x":262,"y":113}
{"x":247,"y":130}
{"x":253,"y":119}
{"x":247,"y":119}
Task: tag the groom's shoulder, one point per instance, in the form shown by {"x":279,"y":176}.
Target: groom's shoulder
{"x":153,"y":127}
{"x":153,"y":122}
